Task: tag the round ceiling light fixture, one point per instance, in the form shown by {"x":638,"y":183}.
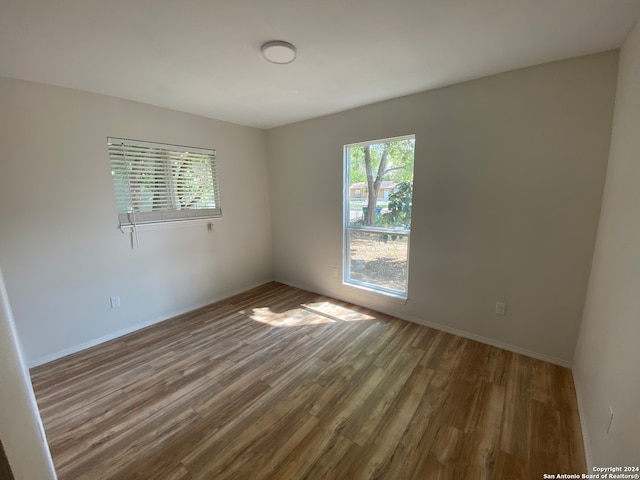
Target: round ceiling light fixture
{"x":278,"y":51}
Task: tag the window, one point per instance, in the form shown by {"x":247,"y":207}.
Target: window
{"x":156,"y":183}
{"x":377,"y":227}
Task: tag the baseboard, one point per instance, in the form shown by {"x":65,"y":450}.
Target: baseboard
{"x":454,"y":331}
{"x":583,"y":424}
{"x":489,"y":341}
{"x":139,"y":326}
{"x":410,"y":318}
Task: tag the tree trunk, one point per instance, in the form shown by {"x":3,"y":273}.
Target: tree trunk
{"x":373,"y":185}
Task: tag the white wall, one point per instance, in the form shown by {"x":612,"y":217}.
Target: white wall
{"x":508,"y":183}
{"x":62,"y":253}
{"x":607,"y":361}
{"x":21,"y":429}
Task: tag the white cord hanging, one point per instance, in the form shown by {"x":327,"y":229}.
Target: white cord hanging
{"x":132,"y":214}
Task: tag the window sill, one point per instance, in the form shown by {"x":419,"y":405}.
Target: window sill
{"x":382,"y":230}
{"x":173,"y":224}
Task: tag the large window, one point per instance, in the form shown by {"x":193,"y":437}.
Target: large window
{"x":156,"y":183}
{"x":378,"y":193}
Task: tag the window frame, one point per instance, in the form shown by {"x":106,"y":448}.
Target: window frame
{"x":347,"y":229}
{"x":166,"y":215}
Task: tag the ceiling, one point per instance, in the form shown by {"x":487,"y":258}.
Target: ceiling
{"x":203,"y":56}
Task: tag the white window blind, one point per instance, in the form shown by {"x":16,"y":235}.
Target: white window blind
{"x":157,"y":183}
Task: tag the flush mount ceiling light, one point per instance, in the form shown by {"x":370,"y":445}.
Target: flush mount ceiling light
{"x":277,"y":51}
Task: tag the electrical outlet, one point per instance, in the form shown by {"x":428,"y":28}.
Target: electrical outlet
{"x":115,"y":301}
{"x":334,"y":271}
{"x":501,"y":308}
{"x":610,"y":419}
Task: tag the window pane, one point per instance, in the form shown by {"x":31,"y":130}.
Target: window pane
{"x":379,"y":260}
{"x":381,"y":179}
{"x":377,"y":206}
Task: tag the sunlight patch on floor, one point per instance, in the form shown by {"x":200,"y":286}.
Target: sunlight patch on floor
{"x":337,"y":312}
{"x":291,"y":318}
{"x":307,"y":314}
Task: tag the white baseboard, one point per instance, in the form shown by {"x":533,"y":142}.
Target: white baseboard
{"x":583,"y":424}
{"x":420,"y":321}
{"x":139,"y":326}
{"x":461,"y":333}
{"x":489,"y":341}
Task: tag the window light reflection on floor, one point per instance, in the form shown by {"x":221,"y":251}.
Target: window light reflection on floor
{"x":308,"y":314}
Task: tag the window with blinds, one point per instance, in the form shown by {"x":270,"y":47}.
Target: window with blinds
{"x":156,"y":183}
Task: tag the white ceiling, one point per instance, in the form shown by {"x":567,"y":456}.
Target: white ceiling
{"x":203,"y":56}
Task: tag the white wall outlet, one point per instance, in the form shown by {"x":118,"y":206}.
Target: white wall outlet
{"x":501,"y":308}
{"x":115,"y":301}
{"x":334,"y":271}
{"x":610,"y":419}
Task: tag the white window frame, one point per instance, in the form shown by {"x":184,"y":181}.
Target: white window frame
{"x":169,"y":213}
{"x":347,"y":229}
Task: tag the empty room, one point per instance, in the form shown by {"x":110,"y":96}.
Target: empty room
{"x":334,"y":240}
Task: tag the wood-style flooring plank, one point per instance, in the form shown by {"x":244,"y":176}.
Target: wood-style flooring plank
{"x":280,"y":383}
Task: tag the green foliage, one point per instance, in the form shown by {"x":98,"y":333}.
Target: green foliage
{"x":401,"y":154}
{"x":356,"y":165}
{"x":399,"y":214}
{"x":400,"y":163}
{"x":400,"y":204}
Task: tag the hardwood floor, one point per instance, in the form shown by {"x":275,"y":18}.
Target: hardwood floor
{"x":280,"y":383}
